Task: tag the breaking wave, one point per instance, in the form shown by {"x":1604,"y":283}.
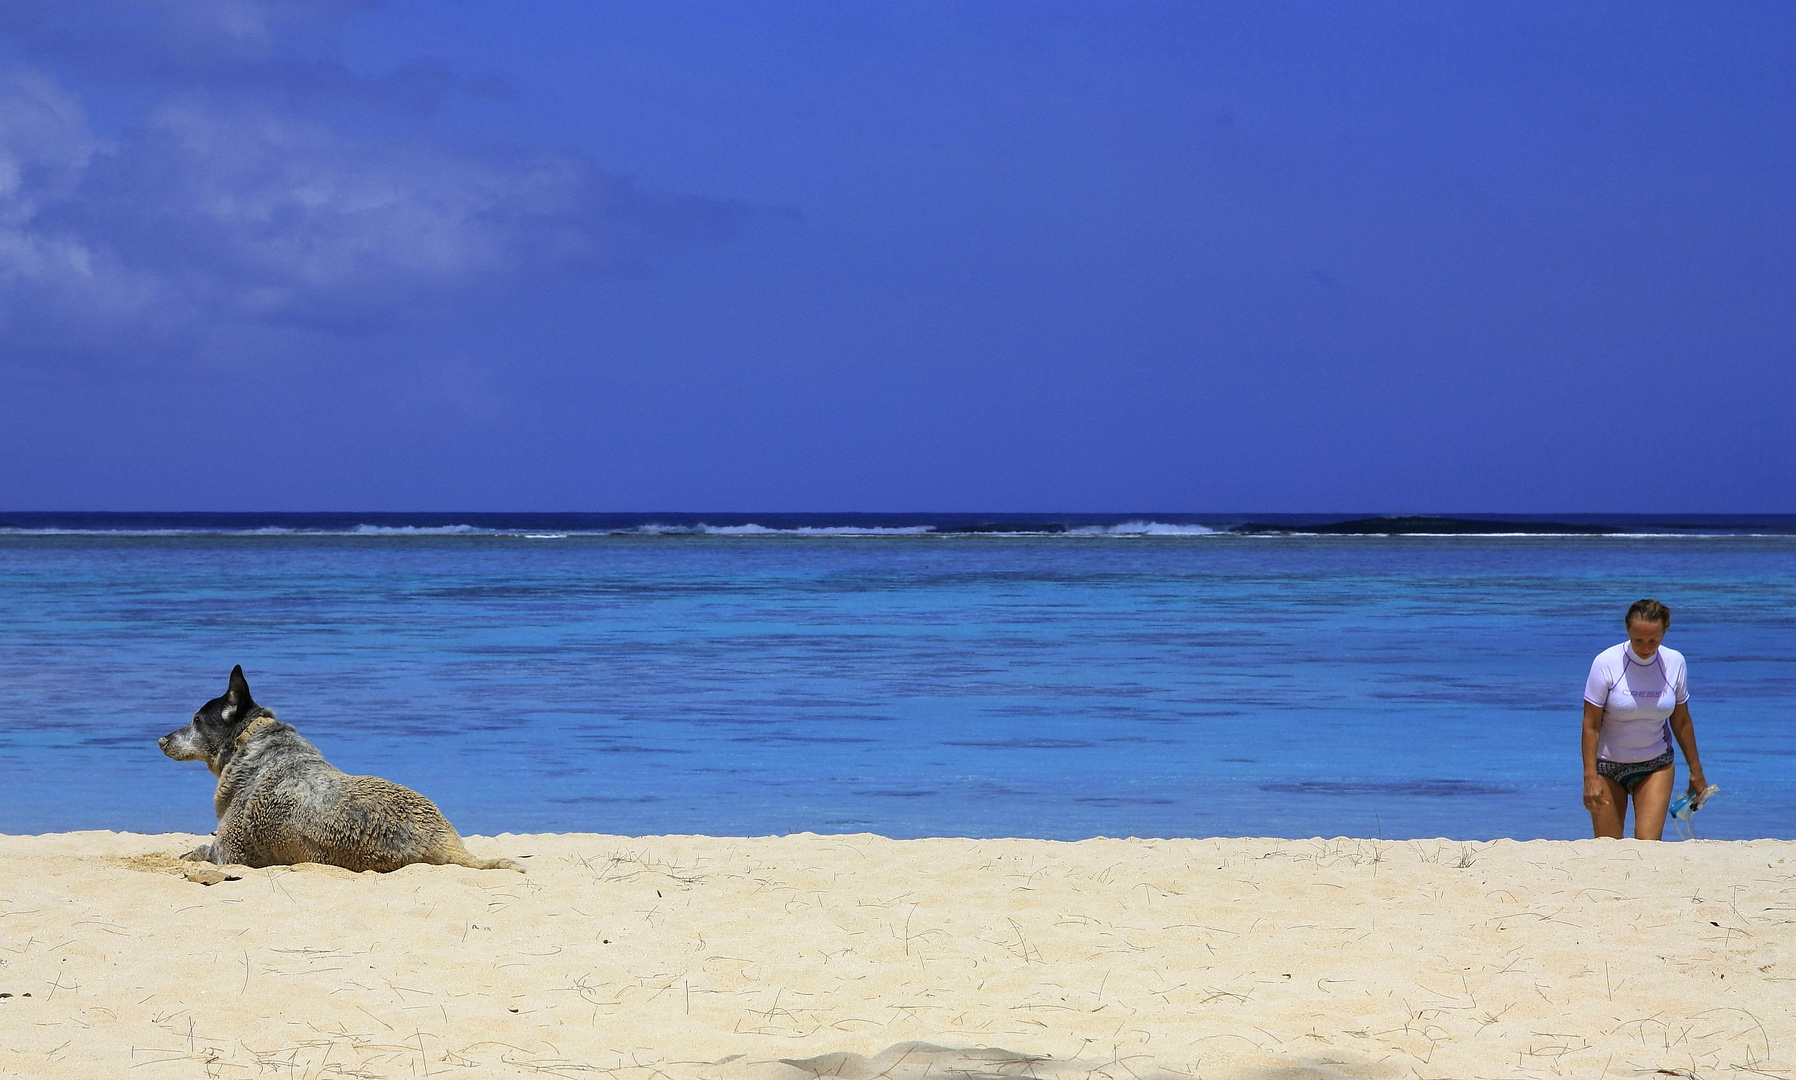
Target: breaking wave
{"x":561,"y":526}
{"x":423,"y":530}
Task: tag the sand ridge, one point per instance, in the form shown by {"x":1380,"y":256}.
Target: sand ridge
{"x":781,"y":958}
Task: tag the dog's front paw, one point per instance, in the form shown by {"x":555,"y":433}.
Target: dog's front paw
{"x":203,"y":853}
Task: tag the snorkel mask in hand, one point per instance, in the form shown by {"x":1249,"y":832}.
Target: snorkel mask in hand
{"x":1683,"y":811}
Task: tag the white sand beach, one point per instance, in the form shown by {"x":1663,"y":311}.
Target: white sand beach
{"x":786,"y":957}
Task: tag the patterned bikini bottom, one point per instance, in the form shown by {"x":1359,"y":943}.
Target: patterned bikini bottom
{"x":1630,"y":774}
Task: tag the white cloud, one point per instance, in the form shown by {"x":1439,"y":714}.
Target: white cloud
{"x":238,"y":203}
{"x":265,"y":217}
{"x":54,"y":283}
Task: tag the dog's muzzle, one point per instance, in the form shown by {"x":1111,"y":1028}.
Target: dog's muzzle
{"x":179,"y":745}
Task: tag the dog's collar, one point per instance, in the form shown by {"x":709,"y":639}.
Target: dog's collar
{"x":255,"y":725}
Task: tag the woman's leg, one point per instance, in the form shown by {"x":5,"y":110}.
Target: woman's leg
{"x":1651,"y":799}
{"x":1606,"y":820}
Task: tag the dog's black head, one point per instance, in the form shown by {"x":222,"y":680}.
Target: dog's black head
{"x":215,"y":725}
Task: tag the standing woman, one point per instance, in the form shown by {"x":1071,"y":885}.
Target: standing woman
{"x":1635,"y":703}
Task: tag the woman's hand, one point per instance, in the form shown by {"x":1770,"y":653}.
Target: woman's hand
{"x":1596,"y":792}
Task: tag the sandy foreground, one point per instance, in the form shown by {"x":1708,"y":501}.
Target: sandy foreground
{"x":782,"y":958}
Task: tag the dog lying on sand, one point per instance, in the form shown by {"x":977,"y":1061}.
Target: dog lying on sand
{"x":279,"y":802}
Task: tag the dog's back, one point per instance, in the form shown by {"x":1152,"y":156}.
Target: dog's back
{"x":289,"y":805}
{"x":279,"y":802}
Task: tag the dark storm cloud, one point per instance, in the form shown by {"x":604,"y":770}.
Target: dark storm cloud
{"x":256,"y":180}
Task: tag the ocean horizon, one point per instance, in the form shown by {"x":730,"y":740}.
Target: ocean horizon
{"x":838,"y":523}
{"x":1040,"y":675}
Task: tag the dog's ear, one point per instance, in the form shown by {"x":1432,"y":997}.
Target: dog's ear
{"x":237,"y":697}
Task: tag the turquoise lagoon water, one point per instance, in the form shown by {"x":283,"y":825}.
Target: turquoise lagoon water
{"x":1118,"y":680}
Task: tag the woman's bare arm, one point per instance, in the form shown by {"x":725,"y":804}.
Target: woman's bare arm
{"x":1683,"y":729}
{"x":1596,"y":793}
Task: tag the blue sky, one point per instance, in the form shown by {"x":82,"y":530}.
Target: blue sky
{"x":1503,"y":257}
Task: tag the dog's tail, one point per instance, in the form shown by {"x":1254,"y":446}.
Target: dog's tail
{"x":459,"y":854}
{"x":492,"y":864}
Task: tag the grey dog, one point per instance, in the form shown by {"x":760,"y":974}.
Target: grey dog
{"x":279,"y":802}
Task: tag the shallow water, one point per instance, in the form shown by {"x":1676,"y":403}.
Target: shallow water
{"x":1050,"y":686}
